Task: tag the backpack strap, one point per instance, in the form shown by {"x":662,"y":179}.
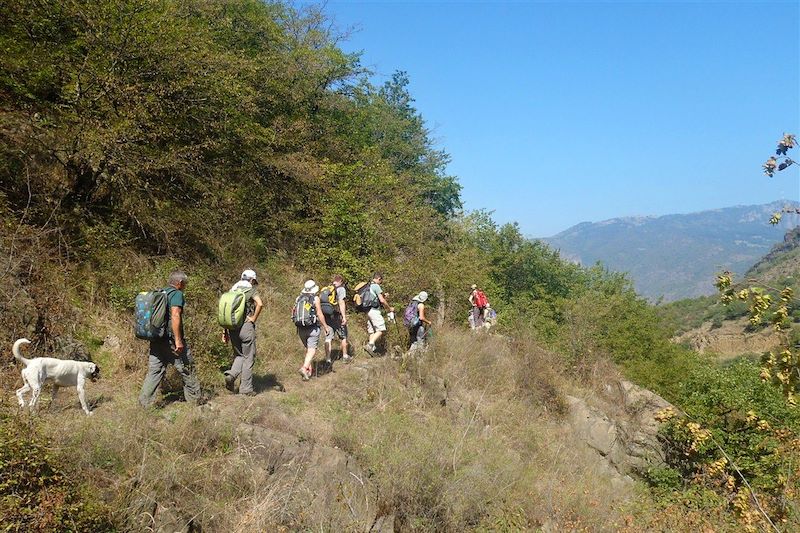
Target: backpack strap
{"x":168,"y":292}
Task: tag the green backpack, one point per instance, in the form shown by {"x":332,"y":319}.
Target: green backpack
{"x":232,"y":309}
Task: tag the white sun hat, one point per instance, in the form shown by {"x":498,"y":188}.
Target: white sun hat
{"x":311,"y":287}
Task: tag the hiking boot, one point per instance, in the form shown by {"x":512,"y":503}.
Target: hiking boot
{"x":229,"y":381}
{"x":305,"y":372}
{"x":370,"y":349}
{"x":346,"y":358}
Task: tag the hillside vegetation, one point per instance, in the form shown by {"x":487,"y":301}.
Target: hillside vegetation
{"x":707,"y":324}
{"x":139,"y":137}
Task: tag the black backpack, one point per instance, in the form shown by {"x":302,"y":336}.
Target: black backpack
{"x":364,"y":298}
{"x":328,"y":301}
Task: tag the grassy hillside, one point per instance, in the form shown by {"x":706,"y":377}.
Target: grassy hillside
{"x":139,"y":137}
{"x":472,"y":435}
{"x":782,"y":264}
{"x":456,"y":439}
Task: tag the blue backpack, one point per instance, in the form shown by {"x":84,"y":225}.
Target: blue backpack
{"x":151,"y":314}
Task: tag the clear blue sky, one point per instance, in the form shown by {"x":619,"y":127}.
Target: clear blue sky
{"x":557,"y":113}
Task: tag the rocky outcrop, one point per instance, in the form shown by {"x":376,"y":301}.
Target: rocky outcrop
{"x":620,"y":426}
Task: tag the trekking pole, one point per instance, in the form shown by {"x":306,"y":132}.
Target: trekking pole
{"x":397,"y":329}
{"x":397,"y":347}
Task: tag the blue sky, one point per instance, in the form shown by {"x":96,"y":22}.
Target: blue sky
{"x":557,"y":113}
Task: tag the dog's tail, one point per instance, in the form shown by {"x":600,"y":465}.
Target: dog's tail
{"x":17,"y":355}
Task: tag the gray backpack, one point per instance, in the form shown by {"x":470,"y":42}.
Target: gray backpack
{"x":304,"y":313}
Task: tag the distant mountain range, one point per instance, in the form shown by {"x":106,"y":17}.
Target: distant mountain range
{"x":676,"y":256}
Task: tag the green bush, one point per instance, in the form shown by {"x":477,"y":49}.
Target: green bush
{"x":663,"y":478}
{"x":36,"y":492}
{"x":732,"y":409}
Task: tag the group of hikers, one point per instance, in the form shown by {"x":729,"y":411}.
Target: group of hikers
{"x":316,"y":313}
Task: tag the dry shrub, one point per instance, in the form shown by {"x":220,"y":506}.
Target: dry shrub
{"x":34,"y":285}
{"x":184,"y":467}
{"x":456,"y":440}
{"x":493,"y":365}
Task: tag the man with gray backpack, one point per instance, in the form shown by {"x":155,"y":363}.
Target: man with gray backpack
{"x":159,"y":319}
{"x":369,"y":298}
{"x":238,"y":311}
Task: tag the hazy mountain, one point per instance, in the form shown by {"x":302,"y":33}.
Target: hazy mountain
{"x":676,"y":256}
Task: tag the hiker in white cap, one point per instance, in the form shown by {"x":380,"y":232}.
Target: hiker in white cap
{"x":415,"y":320}
{"x":308,"y":316}
{"x":243,"y":339}
{"x":490,"y":317}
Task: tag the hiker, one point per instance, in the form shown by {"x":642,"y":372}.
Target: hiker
{"x":376,"y":324}
{"x":416,"y":322}
{"x":478,"y":300}
{"x":332,"y":301}
{"x":307,"y":315}
{"x":243,"y":338}
{"x":490,"y":317}
{"x":171,"y":349}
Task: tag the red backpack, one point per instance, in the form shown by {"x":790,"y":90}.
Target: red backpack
{"x":480,"y":299}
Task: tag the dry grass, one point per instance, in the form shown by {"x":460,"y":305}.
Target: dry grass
{"x":458,"y":440}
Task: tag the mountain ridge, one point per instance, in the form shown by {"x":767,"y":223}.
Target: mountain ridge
{"x":675,"y":256}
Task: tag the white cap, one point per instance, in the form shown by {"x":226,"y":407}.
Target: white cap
{"x":250,"y":275}
{"x":311,"y":287}
{"x":421,"y":297}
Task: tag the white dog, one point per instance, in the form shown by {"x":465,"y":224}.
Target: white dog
{"x":62,"y":372}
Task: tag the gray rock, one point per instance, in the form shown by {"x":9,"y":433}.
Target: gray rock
{"x":327,"y":482}
{"x":621,"y":427}
{"x":71,"y":348}
{"x":592,"y":426}
{"x":112,"y":343}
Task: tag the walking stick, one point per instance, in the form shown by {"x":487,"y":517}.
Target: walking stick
{"x":396,"y":348}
